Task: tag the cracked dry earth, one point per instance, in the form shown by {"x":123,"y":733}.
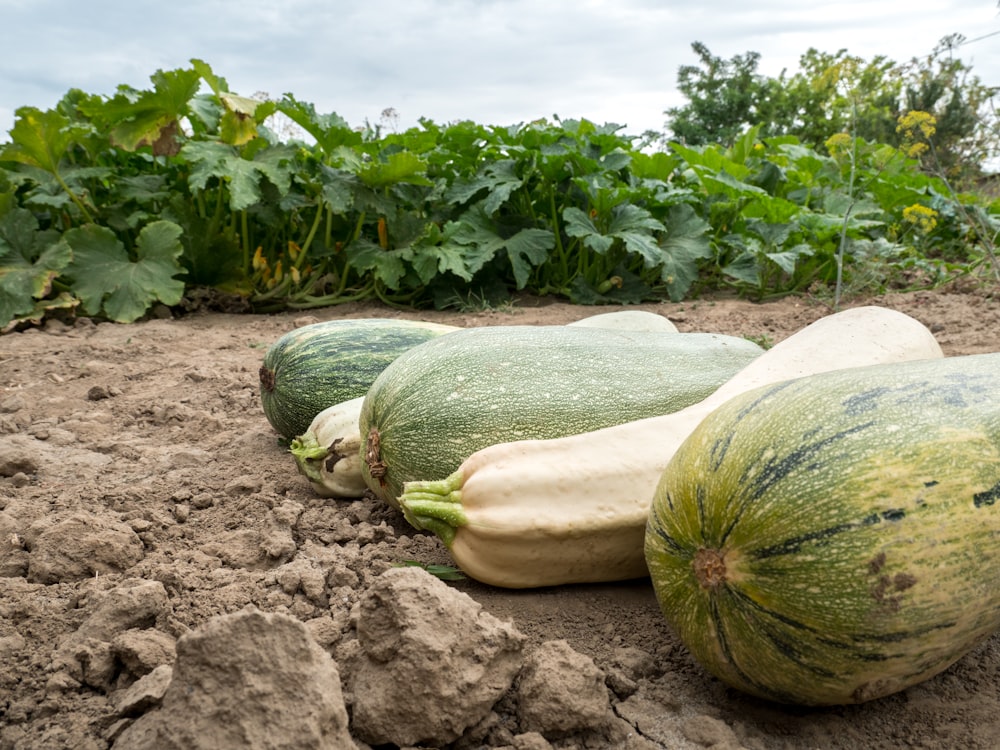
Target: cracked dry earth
{"x":168,"y":580}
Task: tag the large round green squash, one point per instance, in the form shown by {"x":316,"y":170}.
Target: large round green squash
{"x":836,"y":538}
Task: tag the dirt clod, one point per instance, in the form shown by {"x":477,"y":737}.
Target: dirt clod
{"x":246,"y":680}
{"x":432,"y":663}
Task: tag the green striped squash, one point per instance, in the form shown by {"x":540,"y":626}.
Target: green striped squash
{"x":441,"y":401}
{"x":836,"y":538}
{"x":316,"y":366}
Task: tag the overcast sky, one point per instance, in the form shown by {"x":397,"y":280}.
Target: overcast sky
{"x":496,"y":62}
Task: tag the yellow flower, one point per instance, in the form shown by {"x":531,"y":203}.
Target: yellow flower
{"x":838,"y":143}
{"x":259,"y":261}
{"x":922,"y":217}
{"x":914,"y":121}
{"x":916,"y":129}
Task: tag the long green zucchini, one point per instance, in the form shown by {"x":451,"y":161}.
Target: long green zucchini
{"x":441,"y":401}
{"x":836,"y":538}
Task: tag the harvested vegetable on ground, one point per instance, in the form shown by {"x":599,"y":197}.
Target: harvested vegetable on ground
{"x":316,"y":366}
{"x":628,"y":320}
{"x":833,"y":539}
{"x":444,"y":399}
{"x":328,"y":454}
{"x":569,"y":510}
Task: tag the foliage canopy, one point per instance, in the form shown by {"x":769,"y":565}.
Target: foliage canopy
{"x":112,"y":205}
{"x":835,"y":93}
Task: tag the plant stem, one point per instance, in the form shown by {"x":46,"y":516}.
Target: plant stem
{"x":309,"y":237}
{"x":847,"y":214}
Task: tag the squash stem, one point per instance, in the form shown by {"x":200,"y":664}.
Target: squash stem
{"x":306,"y":450}
{"x":435,"y":506}
{"x":306,"y":446}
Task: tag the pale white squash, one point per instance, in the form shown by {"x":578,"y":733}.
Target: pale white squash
{"x":574,"y":509}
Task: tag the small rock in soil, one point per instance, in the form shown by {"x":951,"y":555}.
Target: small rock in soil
{"x":561,"y":692}
{"x":82,"y":545}
{"x":16,"y":458}
{"x":246,"y":680}
{"x":710,"y":732}
{"x":431,"y":662}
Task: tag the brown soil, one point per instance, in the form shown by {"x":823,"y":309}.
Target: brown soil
{"x":143,"y":495}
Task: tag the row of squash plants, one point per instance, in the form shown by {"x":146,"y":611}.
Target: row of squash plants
{"x":819,"y":519}
{"x":112,"y":204}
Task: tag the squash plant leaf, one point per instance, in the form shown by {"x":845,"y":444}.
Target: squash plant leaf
{"x":241,"y":117}
{"x":339,"y":188}
{"x":685,"y":243}
{"x":240,"y":114}
{"x":579,"y":224}
{"x":41,"y":139}
{"x":149,"y":118}
{"x":106,"y":279}
{"x":242,"y":176}
{"x":29,"y":262}
{"x":526,"y":250}
{"x":462,"y":248}
{"x":498,"y":179}
{"x":631,"y":224}
{"x":38,"y":139}
{"x":402,"y":166}
{"x":215,"y":82}
{"x":786,"y":260}
{"x":438,"y":252}
{"x":330,"y":131}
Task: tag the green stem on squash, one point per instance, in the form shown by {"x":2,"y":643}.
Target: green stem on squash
{"x":435,"y":506}
{"x":307,"y":450}
{"x":306,"y":447}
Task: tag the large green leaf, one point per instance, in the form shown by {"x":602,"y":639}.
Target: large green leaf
{"x":30,"y":260}
{"x":106,"y":279}
{"x":631,"y":224}
{"x":339,"y":188}
{"x":579,"y":224}
{"x":41,"y":139}
{"x":786,"y":260}
{"x":151,"y":117}
{"x":388,"y":266}
{"x":498,"y":179}
{"x":330,"y":131}
{"x":526,"y":250}
{"x":686,"y":242}
{"x":401,"y":166}
{"x":240,"y":118}
{"x":210,"y":160}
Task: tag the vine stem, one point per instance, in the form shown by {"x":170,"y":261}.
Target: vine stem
{"x":850,"y":206}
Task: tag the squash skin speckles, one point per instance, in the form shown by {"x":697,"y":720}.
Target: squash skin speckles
{"x":447,"y":398}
